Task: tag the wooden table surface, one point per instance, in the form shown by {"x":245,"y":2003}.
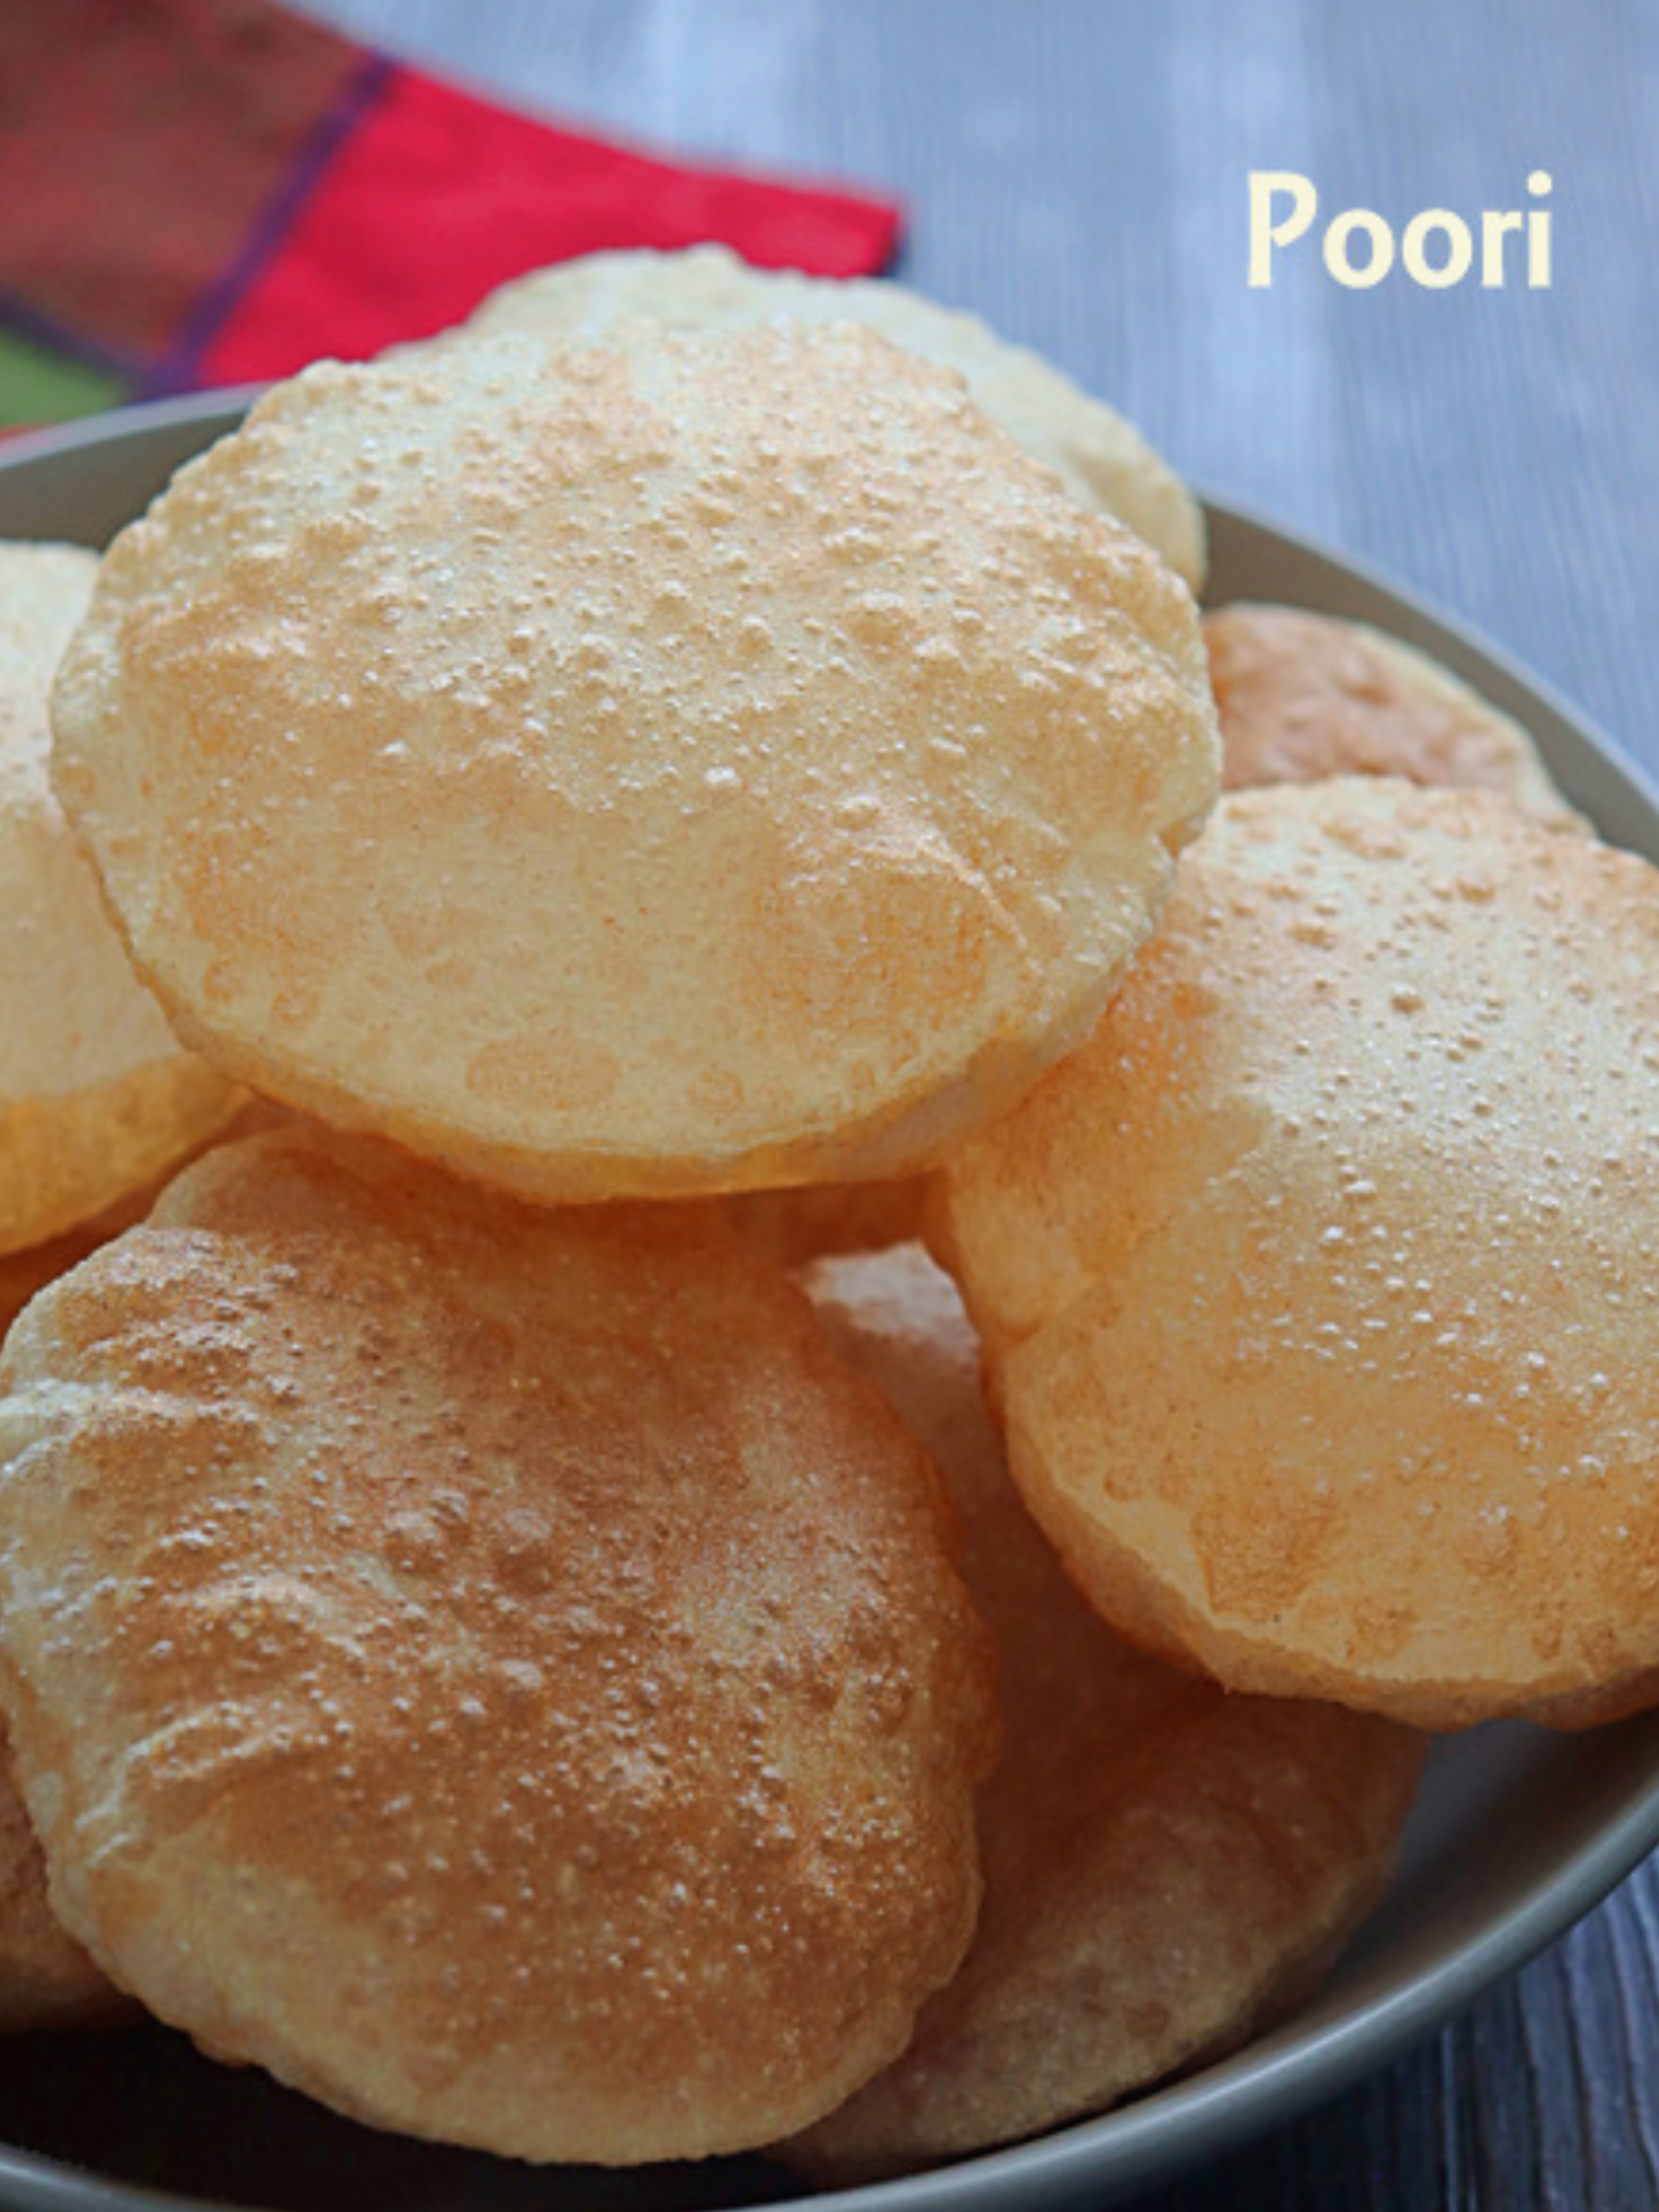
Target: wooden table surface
{"x":1076,"y":171}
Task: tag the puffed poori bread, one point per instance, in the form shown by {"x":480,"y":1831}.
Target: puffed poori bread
{"x":494,"y":1668}
{"x":1322,"y":1285}
{"x":1166,"y":1865}
{"x":721,"y":764}
{"x":95,"y":1095}
{"x":46,"y":1978}
{"x":24,"y":1275}
{"x":1302,"y":695}
{"x":1102,"y":460}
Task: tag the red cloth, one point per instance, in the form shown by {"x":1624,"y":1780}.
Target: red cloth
{"x":141,"y":142}
{"x":212,"y":191}
{"x":437,"y":197}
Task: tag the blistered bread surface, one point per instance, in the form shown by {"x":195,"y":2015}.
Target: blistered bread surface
{"x":1102,"y":458}
{"x":1321,"y":1286}
{"x":1166,"y":1865}
{"x":95,"y":1095}
{"x":720,"y":763}
{"x":1303,"y":695}
{"x":796,"y":1226}
{"x":494,"y":1668}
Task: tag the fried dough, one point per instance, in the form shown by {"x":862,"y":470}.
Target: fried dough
{"x":95,"y":1095}
{"x":46,"y":1978}
{"x":494,"y":1668}
{"x":719,"y":764}
{"x":25,"y":1274}
{"x":1102,"y":460}
{"x":1165,"y":1864}
{"x":1302,"y":695}
{"x":1321,"y":1284}
{"x":796,"y":1226}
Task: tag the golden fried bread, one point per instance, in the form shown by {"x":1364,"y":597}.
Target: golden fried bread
{"x":1164,"y":1863}
{"x":23,"y":1274}
{"x":494,"y":1668}
{"x":46,"y":1978}
{"x":1102,"y":460}
{"x":1302,"y":695}
{"x":95,"y":1095}
{"x":1320,"y":1285}
{"x":719,"y":764}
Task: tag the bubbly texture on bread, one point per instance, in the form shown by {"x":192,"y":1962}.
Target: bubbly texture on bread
{"x":494,"y":1667}
{"x":97,"y":1096}
{"x":1102,"y":460}
{"x":1320,"y":1286}
{"x":612,"y":772}
{"x":1166,"y":1865}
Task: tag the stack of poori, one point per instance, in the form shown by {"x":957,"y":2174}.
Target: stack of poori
{"x":698,"y":775}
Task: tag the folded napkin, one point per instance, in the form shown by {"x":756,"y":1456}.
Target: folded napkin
{"x":200,"y":192}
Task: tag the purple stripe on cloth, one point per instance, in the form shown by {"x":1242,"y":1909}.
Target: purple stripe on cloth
{"x":176,"y":370}
{"x":23,"y":316}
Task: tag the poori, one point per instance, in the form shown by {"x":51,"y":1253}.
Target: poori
{"x":46,"y":1978}
{"x":25,"y":1274}
{"x":1102,"y":458}
{"x":97,"y":1096}
{"x":1321,"y":1286}
{"x":1302,"y":695}
{"x":718,"y":763}
{"x":495,"y":1668}
{"x":1165,"y":1864}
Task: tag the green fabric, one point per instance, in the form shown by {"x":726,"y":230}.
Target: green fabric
{"x":40,"y":386}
